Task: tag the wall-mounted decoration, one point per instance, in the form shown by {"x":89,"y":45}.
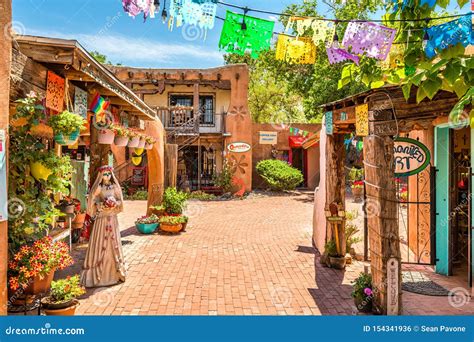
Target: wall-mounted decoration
{"x":268,"y":138}
{"x":80,"y":102}
{"x":362,"y":120}
{"x":336,"y":55}
{"x":370,"y":39}
{"x":55,"y":92}
{"x":238,"y":112}
{"x":410,"y":157}
{"x":329,"y":123}
{"x":299,"y":50}
{"x":238,"y":147}
{"x":242,"y":33}
{"x":238,"y":164}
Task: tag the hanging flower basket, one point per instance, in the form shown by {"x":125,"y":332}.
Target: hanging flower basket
{"x":106,"y":136}
{"x":121,"y":140}
{"x":39,"y":171}
{"x":133,"y":142}
{"x":142,"y":143}
{"x":70,"y":139}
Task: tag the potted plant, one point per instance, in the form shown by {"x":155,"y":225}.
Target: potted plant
{"x":362,"y":292}
{"x":185,"y":222}
{"x":172,"y":224}
{"x":147,"y":224}
{"x":32,"y":267}
{"x":158,"y":210}
{"x":105,"y":136}
{"x":62,"y":297}
{"x":134,"y":139}
{"x":351,"y":230}
{"x":336,"y":260}
{"x":357,"y":187}
{"x":149,"y":142}
{"x":174,"y":201}
{"x":68,"y":205}
{"x":121,"y":135}
{"x":66,"y":127}
{"x":141,"y":142}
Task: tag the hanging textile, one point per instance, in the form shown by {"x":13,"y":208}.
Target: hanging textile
{"x":176,"y":13}
{"x":302,"y":25}
{"x":336,"y":55}
{"x":55,"y":92}
{"x":256,"y":36}
{"x":80,"y":102}
{"x":368,"y":38}
{"x":135,"y":7}
{"x":199,"y":13}
{"x":362,"y":120}
{"x":329,"y":123}
{"x":323,"y":31}
{"x":299,"y":50}
{"x":443,"y":36}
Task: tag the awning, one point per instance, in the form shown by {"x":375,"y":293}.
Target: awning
{"x":311,"y":141}
{"x":296,"y":141}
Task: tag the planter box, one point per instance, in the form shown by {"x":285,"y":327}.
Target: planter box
{"x":121,"y":140}
{"x":133,"y":142}
{"x":105,"y":136}
{"x":171,"y":228}
{"x":141,"y":143}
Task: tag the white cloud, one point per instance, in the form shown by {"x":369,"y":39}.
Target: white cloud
{"x":133,"y":51}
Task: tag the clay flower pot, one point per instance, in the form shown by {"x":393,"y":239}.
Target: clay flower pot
{"x":105,"y":136}
{"x":171,"y":228}
{"x":62,"y":309}
{"x":133,"y":142}
{"x":338,"y":263}
{"x":40,"y":284}
{"x":121,"y":140}
{"x":141,"y":143}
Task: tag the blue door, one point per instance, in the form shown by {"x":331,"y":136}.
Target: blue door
{"x":441,"y":160}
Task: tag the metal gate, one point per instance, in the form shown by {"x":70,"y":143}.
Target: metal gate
{"x":416,"y":218}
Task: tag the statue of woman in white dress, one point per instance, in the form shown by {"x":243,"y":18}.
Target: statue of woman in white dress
{"x":104,"y":263}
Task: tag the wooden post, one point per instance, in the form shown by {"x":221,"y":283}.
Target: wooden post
{"x":171,"y":165}
{"x":335,"y":183}
{"x":199,"y":163}
{"x":5,"y":65}
{"x":381,"y":211}
{"x":196,"y":109}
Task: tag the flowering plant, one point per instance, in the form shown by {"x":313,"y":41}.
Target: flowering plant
{"x":362,"y":287}
{"x":120,"y":131}
{"x":38,"y":259}
{"x":64,"y":290}
{"x":150,"y":140}
{"x":173,"y":220}
{"x":147,"y":219}
{"x":110,"y":202}
{"x":358,"y":184}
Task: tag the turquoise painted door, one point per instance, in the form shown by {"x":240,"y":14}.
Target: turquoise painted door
{"x":441,"y":160}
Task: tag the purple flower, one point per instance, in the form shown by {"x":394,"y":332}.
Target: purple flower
{"x":368,"y":291}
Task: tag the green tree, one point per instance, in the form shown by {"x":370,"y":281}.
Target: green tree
{"x":100,"y":57}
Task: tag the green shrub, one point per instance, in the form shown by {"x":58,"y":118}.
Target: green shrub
{"x":202,"y":196}
{"x":224,"y":178}
{"x":174,"y":201}
{"x":279,"y":175}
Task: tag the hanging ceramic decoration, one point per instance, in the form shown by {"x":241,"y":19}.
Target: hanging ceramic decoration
{"x":242,"y":34}
{"x":329,"y":123}
{"x":368,"y":39}
{"x":450,"y":34}
{"x":136,"y":160}
{"x":55,"y":92}
{"x":336,"y":55}
{"x":300,"y":50}
{"x":80,"y":102}
{"x":362,"y":120}
{"x":323,"y":31}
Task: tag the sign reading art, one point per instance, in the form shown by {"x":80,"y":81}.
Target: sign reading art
{"x":268,"y":138}
{"x":238,"y":147}
{"x":410,"y":157}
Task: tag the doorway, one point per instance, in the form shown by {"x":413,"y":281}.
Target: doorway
{"x":298,"y":160}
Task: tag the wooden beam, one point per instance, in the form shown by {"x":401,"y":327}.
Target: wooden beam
{"x":47,"y":54}
{"x":382,"y":220}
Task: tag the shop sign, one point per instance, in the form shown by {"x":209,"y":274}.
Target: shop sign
{"x":138,"y":176}
{"x":410,"y":157}
{"x":3,"y":177}
{"x":393,"y":268}
{"x":238,"y":147}
{"x":268,"y":138}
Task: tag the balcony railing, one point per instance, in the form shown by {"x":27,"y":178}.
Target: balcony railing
{"x":183,"y":120}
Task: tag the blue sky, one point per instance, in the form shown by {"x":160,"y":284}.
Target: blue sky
{"x":102,"y":25}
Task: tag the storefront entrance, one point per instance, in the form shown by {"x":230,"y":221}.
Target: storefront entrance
{"x":298,"y":157}
{"x":453,"y":202}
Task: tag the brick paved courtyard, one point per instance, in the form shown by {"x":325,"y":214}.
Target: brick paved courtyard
{"x":240,"y":257}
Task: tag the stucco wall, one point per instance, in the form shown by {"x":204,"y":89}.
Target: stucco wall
{"x":319,"y":217}
{"x":262,"y":152}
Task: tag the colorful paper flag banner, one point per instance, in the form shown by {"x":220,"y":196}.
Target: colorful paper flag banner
{"x":135,"y":7}
{"x":299,"y":50}
{"x":336,"y":55}
{"x":243,"y":34}
{"x":362,"y":120}
{"x":323,"y":31}
{"x":329,"y":123}
{"x":99,"y":106}
{"x":449,"y":34}
{"x":370,"y":39}
{"x":395,"y":58}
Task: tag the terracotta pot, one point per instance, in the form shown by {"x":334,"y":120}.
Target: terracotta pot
{"x":69,"y":311}
{"x":121,"y":140}
{"x":338,"y":263}
{"x":133,"y":142}
{"x":105,"y":136}
{"x":141,"y":143}
{"x":158,"y":212}
{"x":80,"y":218}
{"x":185,"y":224}
{"x":171,"y":228}
{"x":40,"y":285}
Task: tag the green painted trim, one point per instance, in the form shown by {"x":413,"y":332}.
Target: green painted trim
{"x":424,"y":148}
{"x":442,"y":223}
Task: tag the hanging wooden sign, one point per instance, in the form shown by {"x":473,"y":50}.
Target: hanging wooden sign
{"x":383,"y":128}
{"x":55,"y":92}
{"x":329,"y":123}
{"x":362,"y":120}
{"x":393,"y":279}
{"x":410,"y":157}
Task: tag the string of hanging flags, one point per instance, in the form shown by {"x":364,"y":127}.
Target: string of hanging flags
{"x":243,"y":34}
